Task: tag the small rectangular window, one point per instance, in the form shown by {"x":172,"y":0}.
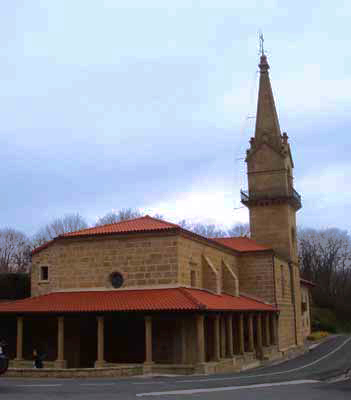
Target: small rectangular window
{"x":44,"y":273}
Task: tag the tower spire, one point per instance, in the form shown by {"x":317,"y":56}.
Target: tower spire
{"x":267,"y":123}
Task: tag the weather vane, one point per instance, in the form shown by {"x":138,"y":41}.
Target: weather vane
{"x":261,"y":44}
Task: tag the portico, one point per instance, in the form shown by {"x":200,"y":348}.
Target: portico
{"x":182,"y":338}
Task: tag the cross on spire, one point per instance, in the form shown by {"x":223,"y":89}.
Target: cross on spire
{"x":261,"y":39}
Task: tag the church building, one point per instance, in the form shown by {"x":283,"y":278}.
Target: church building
{"x":147,"y":296}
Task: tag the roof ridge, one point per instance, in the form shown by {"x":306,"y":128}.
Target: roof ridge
{"x":162,"y":220}
{"x":101,"y":226}
{"x":234,"y":237}
{"x":121,"y":222}
{"x":190,"y":297}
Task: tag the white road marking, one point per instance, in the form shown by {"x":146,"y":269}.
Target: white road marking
{"x":96,"y":384}
{"x":226,"y":388}
{"x":148,"y":383}
{"x":41,"y":385}
{"x":272,"y":373}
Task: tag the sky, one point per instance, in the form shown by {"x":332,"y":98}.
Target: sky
{"x":108,"y":104}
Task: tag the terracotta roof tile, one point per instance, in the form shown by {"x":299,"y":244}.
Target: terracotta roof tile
{"x":241,"y":244}
{"x":146,"y":223}
{"x":307,"y":283}
{"x":170,"y":299}
{"x":150,"y":224}
{"x":142,"y":224}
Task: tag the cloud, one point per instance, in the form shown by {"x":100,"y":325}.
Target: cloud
{"x":212,"y":206}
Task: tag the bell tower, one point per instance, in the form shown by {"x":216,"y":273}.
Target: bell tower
{"x":271,"y":197}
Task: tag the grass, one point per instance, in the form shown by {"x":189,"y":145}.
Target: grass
{"x":317,"y":335}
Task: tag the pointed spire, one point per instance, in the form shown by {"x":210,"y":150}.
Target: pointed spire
{"x":267,"y":123}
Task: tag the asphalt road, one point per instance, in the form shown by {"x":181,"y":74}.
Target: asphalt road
{"x":306,"y":377}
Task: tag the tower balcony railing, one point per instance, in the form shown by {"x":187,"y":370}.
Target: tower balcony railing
{"x":296,"y":195}
{"x":244,"y":195}
{"x":293,"y":196}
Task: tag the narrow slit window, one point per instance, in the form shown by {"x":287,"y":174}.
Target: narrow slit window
{"x":192,"y":278}
{"x":283,"y":280}
{"x":44,"y":273}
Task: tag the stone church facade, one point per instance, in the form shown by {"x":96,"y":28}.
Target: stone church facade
{"x":146,"y":295}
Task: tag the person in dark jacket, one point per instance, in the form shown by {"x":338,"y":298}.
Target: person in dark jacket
{"x":4,"y":361}
{"x":38,"y":361}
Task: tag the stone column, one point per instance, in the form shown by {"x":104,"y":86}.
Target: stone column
{"x":99,"y":363}
{"x":148,"y":340}
{"x":216,"y":338}
{"x":259,"y":336}
{"x":223,"y":339}
{"x":183,"y":341}
{"x":241,"y":334}
{"x":200,"y":338}
{"x":19,"y":339}
{"x":274,"y":324}
{"x":60,"y":361}
{"x":267,"y":330}
{"x":229,"y":325}
{"x":251,"y":333}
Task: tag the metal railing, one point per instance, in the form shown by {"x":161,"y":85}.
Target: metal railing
{"x":246,"y":196}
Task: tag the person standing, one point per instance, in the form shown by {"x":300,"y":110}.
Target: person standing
{"x":38,"y":361}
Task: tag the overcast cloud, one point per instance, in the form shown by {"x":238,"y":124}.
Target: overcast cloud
{"x":114,"y":104}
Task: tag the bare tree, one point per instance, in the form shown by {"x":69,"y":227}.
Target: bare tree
{"x":67,"y":223}
{"x":15,"y":255}
{"x":239,"y":230}
{"x":213,"y":231}
{"x":208,"y":230}
{"x":325,"y":258}
{"x":118,"y":216}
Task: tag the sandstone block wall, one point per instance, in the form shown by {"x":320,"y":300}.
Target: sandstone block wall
{"x":272,"y":226}
{"x":88,"y":263}
{"x":192,"y":257}
{"x":256,"y":275}
{"x":283,"y":282}
{"x":266,"y":171}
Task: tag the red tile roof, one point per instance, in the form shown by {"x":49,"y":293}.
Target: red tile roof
{"x":241,"y":244}
{"x":149,"y":224}
{"x":141,"y":224}
{"x":307,"y":283}
{"x":170,"y":299}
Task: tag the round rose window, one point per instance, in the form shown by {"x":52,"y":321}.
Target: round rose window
{"x":116,"y":279}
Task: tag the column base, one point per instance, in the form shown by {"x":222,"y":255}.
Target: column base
{"x":60,"y":364}
{"x":99,"y":364}
{"x":200,"y":368}
{"x":147,"y":367}
{"x":17,"y":363}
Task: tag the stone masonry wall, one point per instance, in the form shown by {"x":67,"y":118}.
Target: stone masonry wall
{"x":286,"y":328}
{"x":88,"y":262}
{"x":270,"y":226}
{"x":256,"y":275}
{"x":191,"y":258}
